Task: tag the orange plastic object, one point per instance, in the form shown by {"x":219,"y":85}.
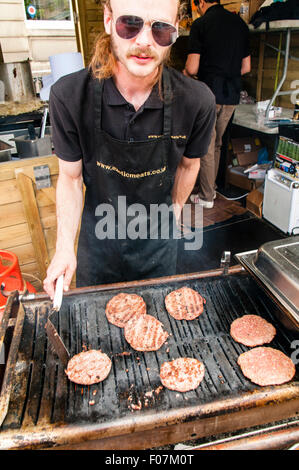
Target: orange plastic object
{"x":11,"y":277}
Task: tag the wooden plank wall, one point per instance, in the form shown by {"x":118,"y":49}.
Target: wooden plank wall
{"x":271,"y":65}
{"x":89,"y":26}
{"x":15,"y":233}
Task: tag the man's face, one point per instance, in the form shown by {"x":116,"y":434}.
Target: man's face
{"x":140,"y":55}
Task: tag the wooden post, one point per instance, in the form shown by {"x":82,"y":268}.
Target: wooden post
{"x":260,"y":68}
{"x":26,"y":189}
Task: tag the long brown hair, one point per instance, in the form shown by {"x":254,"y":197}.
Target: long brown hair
{"x":103,"y":61}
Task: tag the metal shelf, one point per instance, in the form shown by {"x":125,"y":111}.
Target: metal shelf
{"x":287,"y":26}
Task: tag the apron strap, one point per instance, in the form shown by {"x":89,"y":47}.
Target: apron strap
{"x":98,"y":92}
{"x":167,"y":95}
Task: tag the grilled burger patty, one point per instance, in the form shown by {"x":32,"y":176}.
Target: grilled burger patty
{"x":123,"y":307}
{"x":266,"y":366}
{"x":184,"y":304}
{"x":182,"y":374}
{"x":145,"y":333}
{"x":88,"y":367}
{"x":252,"y":330}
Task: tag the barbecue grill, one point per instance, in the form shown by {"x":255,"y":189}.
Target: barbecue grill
{"x":41,"y":409}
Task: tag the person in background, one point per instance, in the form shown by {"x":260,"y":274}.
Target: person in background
{"x":218,"y":55}
{"x":133,"y":130}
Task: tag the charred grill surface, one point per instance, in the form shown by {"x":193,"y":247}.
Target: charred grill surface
{"x":42,"y":393}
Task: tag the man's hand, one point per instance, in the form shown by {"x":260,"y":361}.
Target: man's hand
{"x":63,"y":262}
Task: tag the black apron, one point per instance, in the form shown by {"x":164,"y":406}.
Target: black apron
{"x":226,"y":88}
{"x":126,"y":173}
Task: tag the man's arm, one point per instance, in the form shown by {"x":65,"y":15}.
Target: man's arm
{"x":184,"y":182}
{"x":69,"y":200}
{"x":192,"y":65}
{"x":246,"y":65}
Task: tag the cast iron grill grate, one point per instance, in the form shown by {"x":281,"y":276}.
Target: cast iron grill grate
{"x":42,"y":394}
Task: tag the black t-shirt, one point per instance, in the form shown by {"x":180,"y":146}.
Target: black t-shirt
{"x":222,"y":40}
{"x":71,"y":109}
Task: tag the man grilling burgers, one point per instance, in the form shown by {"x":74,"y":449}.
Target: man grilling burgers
{"x":133,"y":130}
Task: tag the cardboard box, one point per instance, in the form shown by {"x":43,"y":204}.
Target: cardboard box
{"x":255,"y":6}
{"x":254,"y":202}
{"x":247,"y":158}
{"x":234,"y":7}
{"x":237,"y":177}
{"x":245,"y":150}
{"x":245,"y":144}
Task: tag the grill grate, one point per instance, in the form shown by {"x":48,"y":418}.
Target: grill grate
{"x":42,"y":393}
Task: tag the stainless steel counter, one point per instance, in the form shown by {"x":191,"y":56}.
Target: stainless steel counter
{"x":245,"y":117}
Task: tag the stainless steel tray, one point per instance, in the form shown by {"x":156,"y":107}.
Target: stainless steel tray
{"x":276,"y":266}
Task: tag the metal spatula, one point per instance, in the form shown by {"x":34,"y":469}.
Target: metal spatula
{"x":52,"y":333}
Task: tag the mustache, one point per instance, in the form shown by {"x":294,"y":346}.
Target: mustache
{"x":145,"y":52}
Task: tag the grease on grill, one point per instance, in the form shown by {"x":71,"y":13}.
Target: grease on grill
{"x":136,"y":403}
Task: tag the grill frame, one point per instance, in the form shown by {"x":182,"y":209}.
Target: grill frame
{"x":248,"y":407}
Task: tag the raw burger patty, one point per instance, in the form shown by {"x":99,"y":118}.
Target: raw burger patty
{"x":145,"y":333}
{"x":266,"y":366}
{"x":184,"y":304}
{"x":88,"y":367}
{"x":252,"y":330}
{"x":182,"y":374}
{"x":123,"y":307}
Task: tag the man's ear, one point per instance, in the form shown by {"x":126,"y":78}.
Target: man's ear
{"x":107,"y":20}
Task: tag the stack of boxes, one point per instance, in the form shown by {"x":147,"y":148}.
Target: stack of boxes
{"x":243,"y":154}
{"x":232,"y":6}
{"x":244,"y":8}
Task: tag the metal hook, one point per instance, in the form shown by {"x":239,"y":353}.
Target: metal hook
{"x":3,"y":292}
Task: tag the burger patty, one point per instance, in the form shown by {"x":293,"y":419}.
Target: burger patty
{"x":266,"y":366}
{"x":184,"y":304}
{"x":182,"y":374}
{"x":252,"y":330}
{"x":123,"y":307}
{"x":88,"y":367}
{"x":145,"y":333}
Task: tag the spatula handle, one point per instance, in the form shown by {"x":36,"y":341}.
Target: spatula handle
{"x":58,"y":293}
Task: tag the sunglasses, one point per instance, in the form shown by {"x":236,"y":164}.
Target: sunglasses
{"x":129,"y":26}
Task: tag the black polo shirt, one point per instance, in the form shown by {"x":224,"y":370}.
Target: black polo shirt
{"x":222,"y":40}
{"x":71,"y":108}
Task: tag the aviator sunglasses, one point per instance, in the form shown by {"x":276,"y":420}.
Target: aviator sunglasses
{"x":129,"y":26}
